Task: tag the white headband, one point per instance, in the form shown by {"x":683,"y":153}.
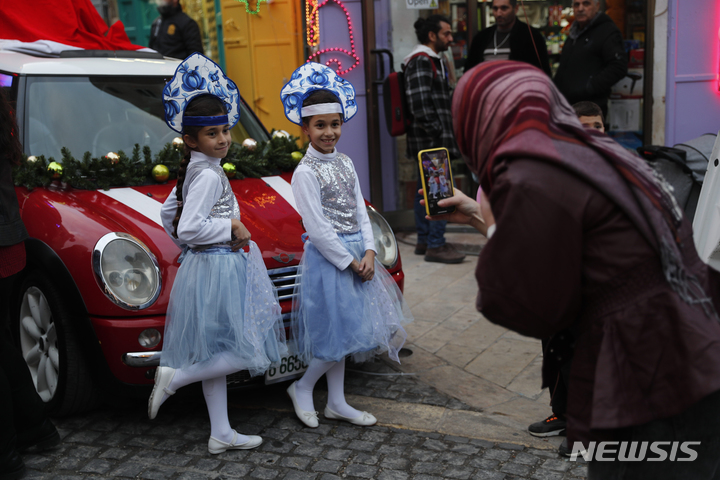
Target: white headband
{"x":321,"y":108}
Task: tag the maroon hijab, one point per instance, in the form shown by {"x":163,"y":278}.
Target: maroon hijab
{"x":505,"y":109}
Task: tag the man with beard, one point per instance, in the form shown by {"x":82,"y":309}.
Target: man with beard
{"x":593,"y":58}
{"x":508,"y":39}
{"x":174,"y":33}
{"x":428,"y":96}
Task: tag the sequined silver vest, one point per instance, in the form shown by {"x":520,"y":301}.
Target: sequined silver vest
{"x":337,"y":190}
{"x":226,"y":206}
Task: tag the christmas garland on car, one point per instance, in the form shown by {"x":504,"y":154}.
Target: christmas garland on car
{"x":251,"y":159}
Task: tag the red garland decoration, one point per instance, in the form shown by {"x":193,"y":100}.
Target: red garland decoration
{"x":350,"y":53}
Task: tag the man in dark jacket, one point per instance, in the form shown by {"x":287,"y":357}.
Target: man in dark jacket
{"x":174,"y":33}
{"x":428,"y":96}
{"x":508,"y":39}
{"x":593,"y":58}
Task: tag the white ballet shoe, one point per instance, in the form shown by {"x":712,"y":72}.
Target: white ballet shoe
{"x":163,"y":377}
{"x":308,"y":418}
{"x":216,"y":446}
{"x":364,"y":419}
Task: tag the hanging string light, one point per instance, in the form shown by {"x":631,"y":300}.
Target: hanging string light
{"x":247,"y":6}
{"x":313,"y":25}
{"x":350,"y":53}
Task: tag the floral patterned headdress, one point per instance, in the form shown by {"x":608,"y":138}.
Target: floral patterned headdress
{"x":311,"y":77}
{"x":198,"y":75}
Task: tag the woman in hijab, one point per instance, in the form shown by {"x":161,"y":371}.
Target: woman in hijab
{"x":588,"y":243}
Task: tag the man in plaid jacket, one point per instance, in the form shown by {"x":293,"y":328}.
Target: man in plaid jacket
{"x":428,"y":96}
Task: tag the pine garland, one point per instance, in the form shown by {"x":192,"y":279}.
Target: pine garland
{"x":102,"y":173}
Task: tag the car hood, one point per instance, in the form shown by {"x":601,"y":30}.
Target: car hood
{"x":72,"y":221}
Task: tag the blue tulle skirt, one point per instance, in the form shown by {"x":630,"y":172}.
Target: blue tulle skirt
{"x":223,"y":302}
{"x":335,"y":314}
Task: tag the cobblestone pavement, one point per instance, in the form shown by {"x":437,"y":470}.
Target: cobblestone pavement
{"x":123,"y":443}
{"x":377,"y":379}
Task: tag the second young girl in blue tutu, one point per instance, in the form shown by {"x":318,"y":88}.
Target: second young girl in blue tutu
{"x":346,"y":303}
{"x":223,"y":314}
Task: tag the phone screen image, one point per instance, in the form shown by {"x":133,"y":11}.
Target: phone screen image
{"x":436,"y":179}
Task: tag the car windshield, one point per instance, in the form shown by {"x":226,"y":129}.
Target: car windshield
{"x":103,"y":114}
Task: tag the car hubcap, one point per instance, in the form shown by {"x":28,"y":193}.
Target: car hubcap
{"x":38,"y":341}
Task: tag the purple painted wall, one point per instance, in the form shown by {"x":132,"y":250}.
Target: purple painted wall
{"x":693,"y":63}
{"x":354,"y":141}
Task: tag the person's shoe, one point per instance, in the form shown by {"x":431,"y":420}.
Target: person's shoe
{"x":549,"y":427}
{"x":563,"y":449}
{"x":216,"y":446}
{"x":420,"y":248}
{"x":444,"y":254}
{"x":364,"y":419}
{"x":163,"y":377}
{"x":42,"y":437}
{"x":11,"y":466}
{"x":308,"y":418}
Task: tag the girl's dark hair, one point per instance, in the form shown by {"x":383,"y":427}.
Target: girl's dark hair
{"x":200,"y":106}
{"x":10,"y":149}
{"x":423,"y":27}
{"x":317,"y":97}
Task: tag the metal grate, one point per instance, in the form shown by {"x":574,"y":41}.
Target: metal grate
{"x":284,"y":280}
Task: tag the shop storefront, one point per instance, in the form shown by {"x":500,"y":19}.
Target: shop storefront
{"x":669,"y":95}
{"x":626,"y":120}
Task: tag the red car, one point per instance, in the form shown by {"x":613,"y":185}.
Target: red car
{"x":89,"y":309}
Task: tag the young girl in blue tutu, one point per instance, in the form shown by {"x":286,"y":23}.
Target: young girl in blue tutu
{"x":346,"y":303}
{"x":223,"y":314}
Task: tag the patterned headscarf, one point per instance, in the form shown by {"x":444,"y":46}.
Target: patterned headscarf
{"x":505,"y":109}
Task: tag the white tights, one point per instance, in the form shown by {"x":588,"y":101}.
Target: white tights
{"x":214,"y":384}
{"x":335,"y":374}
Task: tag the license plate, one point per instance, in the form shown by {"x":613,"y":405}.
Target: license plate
{"x":288,"y":366}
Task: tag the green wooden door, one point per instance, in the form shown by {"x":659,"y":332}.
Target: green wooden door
{"x":137,"y":16}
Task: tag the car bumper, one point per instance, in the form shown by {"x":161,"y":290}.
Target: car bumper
{"x":129,"y":361}
{"x":133,"y":364}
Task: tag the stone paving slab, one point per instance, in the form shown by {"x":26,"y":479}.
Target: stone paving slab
{"x":489,"y":368}
{"x":123,"y":443}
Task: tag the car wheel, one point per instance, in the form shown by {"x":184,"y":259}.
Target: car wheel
{"x":47,"y":338}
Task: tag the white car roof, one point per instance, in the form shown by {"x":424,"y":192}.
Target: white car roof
{"x":23,"y":64}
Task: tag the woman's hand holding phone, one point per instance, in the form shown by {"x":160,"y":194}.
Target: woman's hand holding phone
{"x":467,"y":211}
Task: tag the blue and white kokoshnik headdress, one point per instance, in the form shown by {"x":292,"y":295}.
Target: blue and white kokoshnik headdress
{"x":198,"y":75}
{"x":311,"y":77}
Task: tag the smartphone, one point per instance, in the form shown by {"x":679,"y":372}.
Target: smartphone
{"x":437,"y":179}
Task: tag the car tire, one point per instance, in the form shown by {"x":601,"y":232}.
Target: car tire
{"x":46,"y":333}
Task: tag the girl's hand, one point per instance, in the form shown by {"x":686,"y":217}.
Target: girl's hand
{"x":366,"y":269}
{"x":241,"y":235}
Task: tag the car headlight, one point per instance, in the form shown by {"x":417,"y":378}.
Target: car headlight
{"x":126,"y":271}
{"x":385,"y":243}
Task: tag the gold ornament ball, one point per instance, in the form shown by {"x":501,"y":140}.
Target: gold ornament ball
{"x":32,"y":159}
{"x":250,"y":143}
{"x":113,"y":157}
{"x":178,"y":142}
{"x":229,"y":169}
{"x":160,"y":173}
{"x":297,"y":155}
{"x":281,"y":133}
{"x":56,"y":169}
